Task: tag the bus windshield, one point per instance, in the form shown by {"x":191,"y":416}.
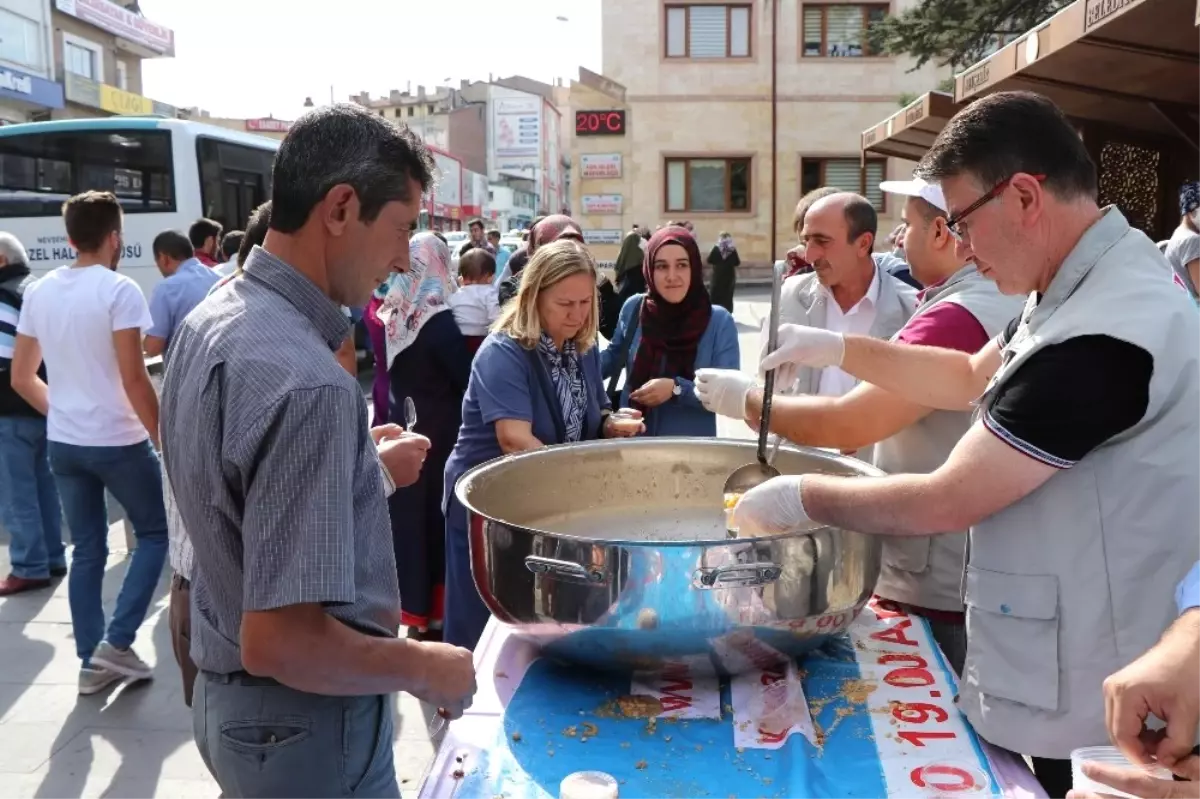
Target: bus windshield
{"x":38,"y":171}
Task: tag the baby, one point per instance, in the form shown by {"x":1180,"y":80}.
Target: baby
{"x":477,"y":303}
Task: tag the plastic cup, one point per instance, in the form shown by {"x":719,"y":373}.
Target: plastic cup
{"x":626,"y":423}
{"x":588,"y":785}
{"x":1112,"y":756}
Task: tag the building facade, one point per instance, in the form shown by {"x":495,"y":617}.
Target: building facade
{"x":700,"y":80}
{"x":28,"y":90}
{"x":98,"y":48}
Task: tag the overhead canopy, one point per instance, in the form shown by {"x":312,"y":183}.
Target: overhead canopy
{"x":1128,"y":63}
{"x":909,"y":132}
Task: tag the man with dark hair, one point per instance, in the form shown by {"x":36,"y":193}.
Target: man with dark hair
{"x":231,"y":242}
{"x":846,"y":291}
{"x":256,"y":233}
{"x":502,"y":255}
{"x":205,"y":236}
{"x":475,"y":229}
{"x":185,"y":283}
{"x":278,"y":482}
{"x":86,"y":322}
{"x":1078,"y":477}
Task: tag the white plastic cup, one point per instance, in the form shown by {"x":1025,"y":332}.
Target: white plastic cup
{"x":588,"y":785}
{"x":1109,"y":755}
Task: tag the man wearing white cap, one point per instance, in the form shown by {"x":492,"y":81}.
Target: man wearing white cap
{"x":960,"y":310}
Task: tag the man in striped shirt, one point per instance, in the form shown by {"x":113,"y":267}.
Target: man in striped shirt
{"x":29,"y":506}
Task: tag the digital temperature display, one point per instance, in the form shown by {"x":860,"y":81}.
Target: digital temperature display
{"x":599,"y":123}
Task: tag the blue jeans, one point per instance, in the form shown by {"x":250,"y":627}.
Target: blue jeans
{"x":260,"y":738}
{"x":29,"y":506}
{"x":133,"y":475}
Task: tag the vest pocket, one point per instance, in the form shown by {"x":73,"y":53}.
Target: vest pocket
{"x":907,"y":554}
{"x":1012,"y":636}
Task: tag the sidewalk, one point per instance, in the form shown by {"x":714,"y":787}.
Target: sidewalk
{"x":133,"y":740}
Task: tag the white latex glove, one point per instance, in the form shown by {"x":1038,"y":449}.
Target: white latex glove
{"x":772,"y":508}
{"x":723,"y":391}
{"x":801,"y":345}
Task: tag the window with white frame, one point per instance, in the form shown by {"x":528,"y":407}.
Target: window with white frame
{"x":708,"y":31}
{"x":707,"y":184}
{"x":122,"y":75}
{"x":20,"y":39}
{"x":83,"y":58}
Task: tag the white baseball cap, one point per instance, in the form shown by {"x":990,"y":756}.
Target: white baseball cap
{"x":917,"y":187}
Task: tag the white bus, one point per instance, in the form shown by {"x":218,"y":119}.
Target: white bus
{"x":167,"y":173}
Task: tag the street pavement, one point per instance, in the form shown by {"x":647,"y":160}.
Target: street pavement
{"x":136,"y":740}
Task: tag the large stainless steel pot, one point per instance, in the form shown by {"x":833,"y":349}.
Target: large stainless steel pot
{"x":614,"y":554}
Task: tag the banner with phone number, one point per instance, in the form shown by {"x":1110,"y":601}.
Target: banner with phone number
{"x":895,"y":732}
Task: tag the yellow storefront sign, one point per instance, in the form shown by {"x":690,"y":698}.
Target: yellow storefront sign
{"x":124,"y":103}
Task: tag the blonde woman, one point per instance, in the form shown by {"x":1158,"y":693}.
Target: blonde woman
{"x":535,"y":381}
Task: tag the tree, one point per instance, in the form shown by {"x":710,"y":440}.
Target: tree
{"x":956,"y":33}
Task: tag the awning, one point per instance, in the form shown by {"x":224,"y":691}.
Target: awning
{"x":1129,"y":63}
{"x":909,"y":132}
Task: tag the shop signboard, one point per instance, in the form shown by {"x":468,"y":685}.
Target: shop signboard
{"x":18,"y":85}
{"x":516,"y":135}
{"x":109,"y":16}
{"x":447,"y":192}
{"x":268,"y":125}
{"x":81,"y":90}
{"x":600,"y":165}
{"x":603,"y":236}
{"x":602,"y":203}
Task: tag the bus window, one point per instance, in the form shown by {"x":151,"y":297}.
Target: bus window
{"x":38,"y":171}
{"x":234,"y":180}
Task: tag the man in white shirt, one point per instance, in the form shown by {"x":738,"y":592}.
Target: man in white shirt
{"x":86,"y":322}
{"x":846,"y":292}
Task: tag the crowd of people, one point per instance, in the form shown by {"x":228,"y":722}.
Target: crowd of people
{"x":1018,"y":365}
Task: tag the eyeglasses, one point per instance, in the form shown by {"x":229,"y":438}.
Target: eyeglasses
{"x":954,"y":223}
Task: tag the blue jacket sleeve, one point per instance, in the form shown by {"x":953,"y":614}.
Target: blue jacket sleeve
{"x":727,"y":354}
{"x":611,"y":357}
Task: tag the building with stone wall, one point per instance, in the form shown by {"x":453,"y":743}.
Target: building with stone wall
{"x":695,"y":83}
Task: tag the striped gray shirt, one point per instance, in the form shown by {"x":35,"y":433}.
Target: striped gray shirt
{"x":275,"y":475}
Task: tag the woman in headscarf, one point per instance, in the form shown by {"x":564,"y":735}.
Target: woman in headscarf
{"x":664,"y":336}
{"x":724,"y":261}
{"x":535,"y":381}
{"x":547,"y":229}
{"x":427,"y":361}
{"x":630,"y":278}
{"x":1183,"y":248}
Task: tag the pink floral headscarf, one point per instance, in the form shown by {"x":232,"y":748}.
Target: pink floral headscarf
{"x":413,"y":297}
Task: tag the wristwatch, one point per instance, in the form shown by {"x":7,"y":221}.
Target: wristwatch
{"x":677,"y":390}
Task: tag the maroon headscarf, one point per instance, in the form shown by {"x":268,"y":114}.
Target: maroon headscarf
{"x":671,"y":332}
{"x":553,"y":228}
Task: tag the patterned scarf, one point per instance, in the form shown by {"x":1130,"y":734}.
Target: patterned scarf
{"x":412,"y":298}
{"x":567,"y":378}
{"x":671,"y":332}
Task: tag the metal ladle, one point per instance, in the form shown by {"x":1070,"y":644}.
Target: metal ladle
{"x":754,"y":474}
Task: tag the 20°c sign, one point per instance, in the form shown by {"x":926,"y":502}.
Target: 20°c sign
{"x":599,"y":123}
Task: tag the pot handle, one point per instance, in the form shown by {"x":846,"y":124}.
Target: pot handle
{"x":564,"y":570}
{"x":739,"y":574}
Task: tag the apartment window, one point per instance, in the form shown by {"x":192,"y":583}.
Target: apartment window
{"x":708,"y":184}
{"x":19,"y":40}
{"x":83,"y":57}
{"x":839,"y":31}
{"x":395,"y":112}
{"x":845,"y":174}
{"x":429,"y":109}
{"x":410,"y":110}
{"x":708,"y":31}
{"x":122,"y":76}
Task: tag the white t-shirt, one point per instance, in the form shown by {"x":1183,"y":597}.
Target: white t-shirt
{"x":475,"y":307}
{"x":73,"y":312}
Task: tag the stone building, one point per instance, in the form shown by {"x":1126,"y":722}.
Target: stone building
{"x":696,"y":83}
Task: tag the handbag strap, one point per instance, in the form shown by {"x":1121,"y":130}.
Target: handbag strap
{"x":629,"y":336}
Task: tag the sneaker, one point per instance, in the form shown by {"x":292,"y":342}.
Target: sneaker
{"x":122,"y":661}
{"x":93,"y":680}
